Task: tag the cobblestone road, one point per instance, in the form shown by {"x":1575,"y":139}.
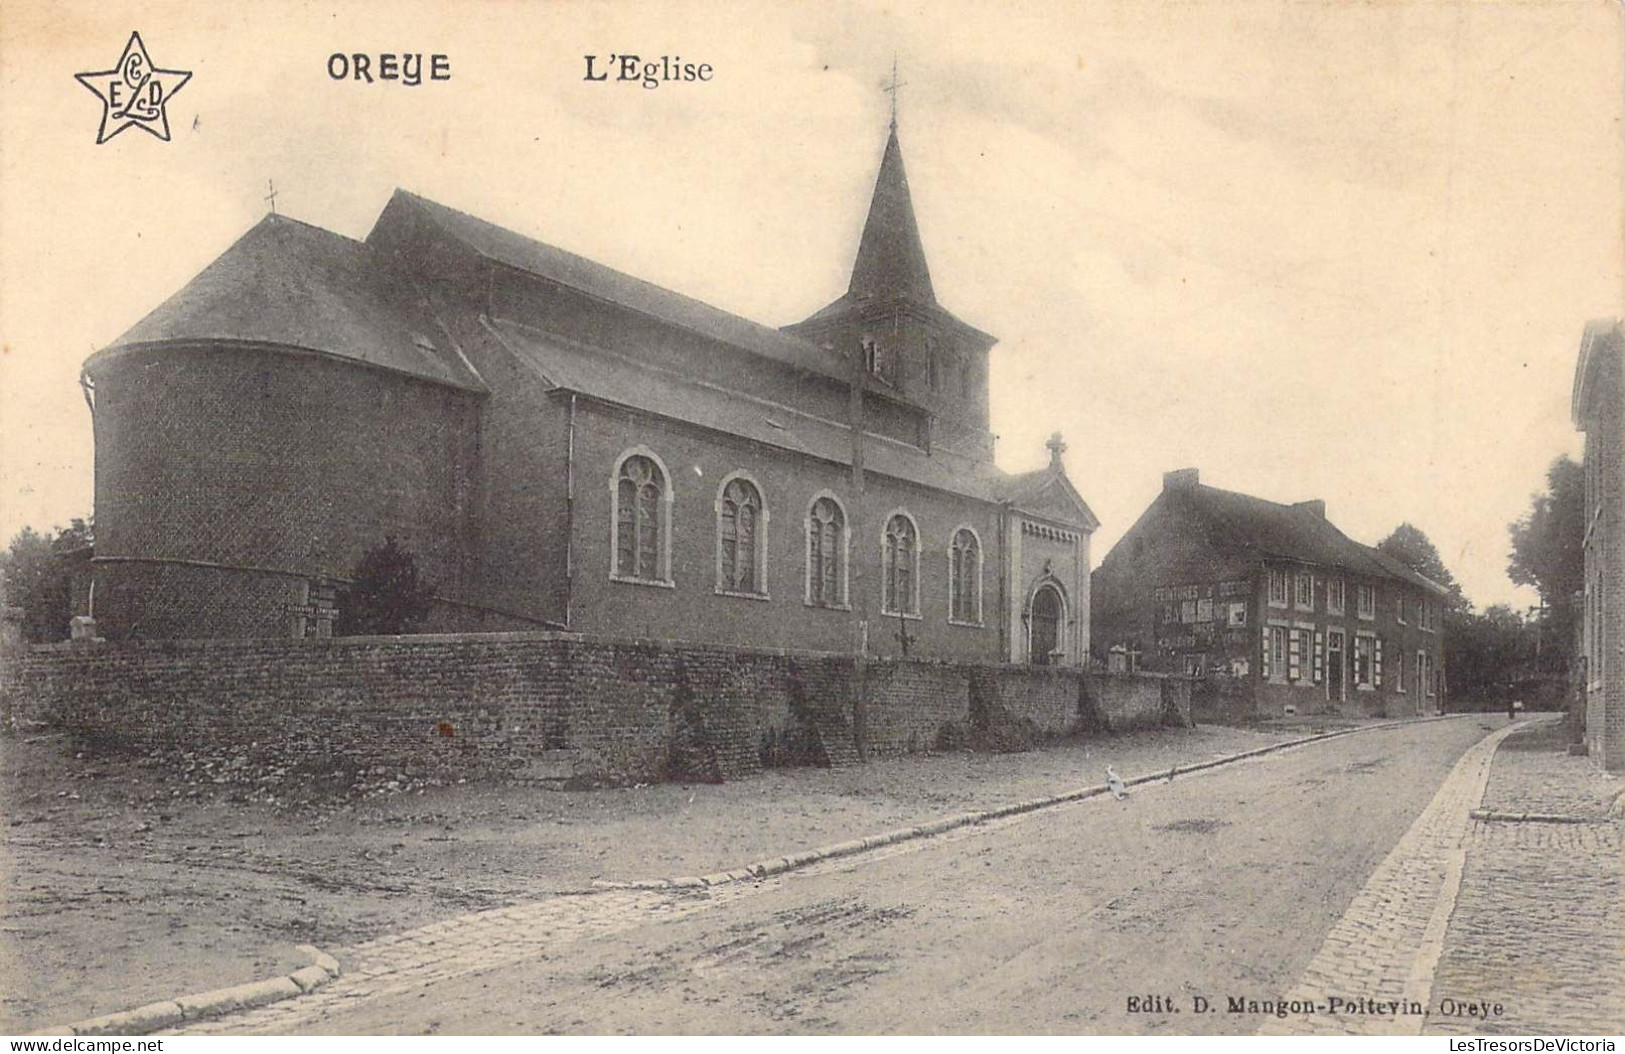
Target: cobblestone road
{"x":1384,"y":947}
{"x":1539,"y":926}
{"x":1467,"y":913}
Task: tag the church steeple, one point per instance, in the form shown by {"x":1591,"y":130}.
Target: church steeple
{"x":891,"y":261}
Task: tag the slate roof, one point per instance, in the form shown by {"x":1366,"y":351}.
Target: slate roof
{"x":890,"y":264}
{"x":1288,"y":532}
{"x":606,"y":283}
{"x":891,"y":260}
{"x":612,"y":378}
{"x":1037,"y":489}
{"x":287,"y":283}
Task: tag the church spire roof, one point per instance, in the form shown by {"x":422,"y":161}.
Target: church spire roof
{"x":891,"y":260}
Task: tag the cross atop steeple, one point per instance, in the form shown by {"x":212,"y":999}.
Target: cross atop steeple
{"x":1057,"y":447}
{"x":271,"y":197}
{"x":891,"y":89}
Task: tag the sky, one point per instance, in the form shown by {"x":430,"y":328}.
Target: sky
{"x":1340,"y":251}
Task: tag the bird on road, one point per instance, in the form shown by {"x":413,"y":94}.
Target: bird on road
{"x":1115,"y":782}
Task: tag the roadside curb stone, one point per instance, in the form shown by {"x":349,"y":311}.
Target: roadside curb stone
{"x":778,"y":865}
{"x":488,"y":940}
{"x":169,"y":1013}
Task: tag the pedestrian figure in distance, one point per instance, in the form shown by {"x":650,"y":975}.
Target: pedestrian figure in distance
{"x":1512,"y":709}
{"x":1115,"y":782}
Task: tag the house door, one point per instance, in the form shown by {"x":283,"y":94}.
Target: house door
{"x":1045,"y":622}
{"x":1334,"y":665}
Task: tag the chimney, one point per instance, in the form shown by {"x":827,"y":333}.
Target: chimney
{"x":1181,"y":479}
{"x":1314,"y":505}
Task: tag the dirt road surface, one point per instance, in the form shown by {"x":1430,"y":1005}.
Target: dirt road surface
{"x":125,"y":880}
{"x":1216,"y":885}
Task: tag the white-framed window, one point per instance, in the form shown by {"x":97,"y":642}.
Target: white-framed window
{"x":1335,"y":596}
{"x":1277,"y":589}
{"x":1399,"y":674}
{"x":1399,"y":609}
{"x":1304,"y":591}
{"x":1432,"y":680}
{"x":1238,"y":613}
{"x":1204,"y":610}
{"x":1275,"y":652}
{"x":1365,"y":601}
{"x":1376,"y":663}
{"x":965,"y":578}
{"x":741,"y":537}
{"x":1320,"y":657}
{"x":1421,"y":671}
{"x":900,"y":566}
{"x":1364,"y":671}
{"x":828,"y":541}
{"x":640,"y":519}
{"x":1295,"y":654}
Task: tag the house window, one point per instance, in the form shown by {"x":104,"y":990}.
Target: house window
{"x":1238,"y":613}
{"x":1204,"y":610}
{"x":965,"y":578}
{"x":1277,"y":589}
{"x":741,"y":552}
{"x":900,"y":567}
{"x":1376,"y":664}
{"x":641,"y":521}
{"x":1363,"y":647}
{"x":826,"y":554}
{"x":1334,"y":596}
{"x":1306,"y":592}
{"x":1421,"y":671}
{"x":1320,"y":657}
{"x":1365,"y":601}
{"x":1399,"y":610}
{"x":1274,"y":652}
{"x":1295,"y":655}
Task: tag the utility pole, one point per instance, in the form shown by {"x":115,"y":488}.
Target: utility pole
{"x":857,"y":414}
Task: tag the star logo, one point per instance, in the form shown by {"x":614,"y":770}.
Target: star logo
{"x":134,"y":92}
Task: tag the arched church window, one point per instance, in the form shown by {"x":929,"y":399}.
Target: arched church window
{"x":965,"y":578}
{"x":826,"y":554}
{"x":640,"y":520}
{"x":740,"y":549}
{"x":900,"y":567}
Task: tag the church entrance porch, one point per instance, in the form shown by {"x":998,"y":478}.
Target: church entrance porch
{"x":1045,"y":613}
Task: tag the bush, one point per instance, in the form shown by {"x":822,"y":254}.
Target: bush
{"x":386,"y":597}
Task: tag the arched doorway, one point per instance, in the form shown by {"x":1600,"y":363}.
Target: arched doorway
{"x":1044,"y":618}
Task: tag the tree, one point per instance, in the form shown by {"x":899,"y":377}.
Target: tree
{"x":38,"y":576}
{"x":1547,"y":554}
{"x":1474,"y":657}
{"x":387,"y":595}
{"x":1411,"y":547}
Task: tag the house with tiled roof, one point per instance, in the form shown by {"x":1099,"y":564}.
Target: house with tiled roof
{"x":1271,"y":606}
{"x":564,"y":446}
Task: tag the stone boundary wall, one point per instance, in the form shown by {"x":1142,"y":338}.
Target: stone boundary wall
{"x":554,"y":706}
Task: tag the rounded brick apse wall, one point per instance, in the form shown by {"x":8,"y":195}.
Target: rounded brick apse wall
{"x":229,"y":476}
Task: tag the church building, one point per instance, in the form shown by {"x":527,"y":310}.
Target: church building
{"x":562,"y":446}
